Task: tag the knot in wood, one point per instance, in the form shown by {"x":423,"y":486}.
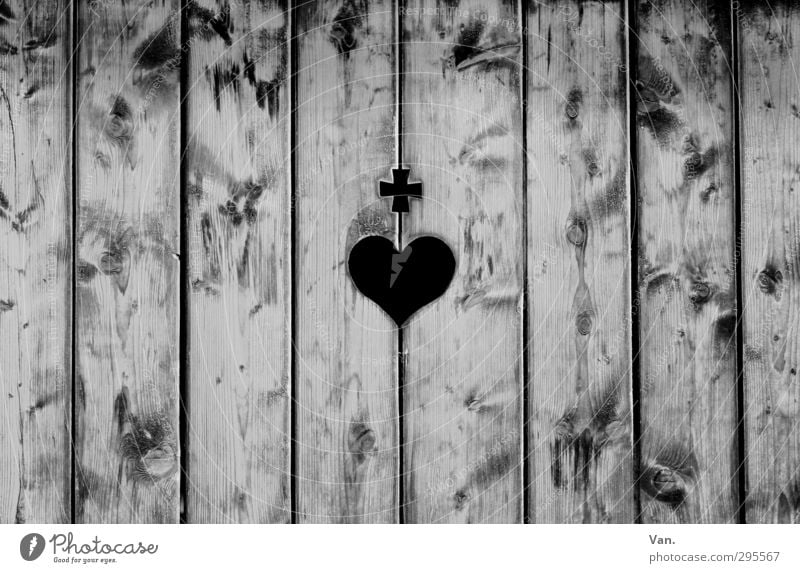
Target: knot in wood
{"x":147,"y":446}
{"x":668,"y":486}
{"x":576,"y":232}
{"x":367,"y":441}
{"x":584,"y":322}
{"x":460,"y":498}
{"x":474,"y":405}
{"x":700,"y":293}
{"x":117,"y":127}
{"x":362,"y":440}
{"x":111,"y":263}
{"x":574,"y":99}
{"x":692,"y":165}
{"x":159,"y":462}
{"x":689,"y":144}
{"x":769,"y":281}
{"x":571,"y":110}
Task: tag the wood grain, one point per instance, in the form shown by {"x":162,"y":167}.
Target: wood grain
{"x":239,"y":232}
{"x":580,"y":429}
{"x":462,"y":137}
{"x":290,"y":122}
{"x":770,"y":157}
{"x":346,"y":435}
{"x":687,"y":281}
{"x":35,"y":261}
{"x":127,"y":446}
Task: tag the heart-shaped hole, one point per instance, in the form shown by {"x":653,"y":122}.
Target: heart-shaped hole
{"x":403,"y":282}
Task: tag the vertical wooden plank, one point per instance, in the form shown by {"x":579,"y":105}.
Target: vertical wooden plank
{"x":462,"y":137}
{"x":128,"y":262}
{"x":581,"y":462}
{"x":35,"y":261}
{"x":770,"y":157}
{"x":687,"y":280}
{"x":346,"y":347}
{"x":239,"y":233}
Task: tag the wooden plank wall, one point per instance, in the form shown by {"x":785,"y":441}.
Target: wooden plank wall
{"x":189,"y":191}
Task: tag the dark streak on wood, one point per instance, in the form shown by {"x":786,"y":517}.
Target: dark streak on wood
{"x":581,"y":443}
{"x":202,"y":21}
{"x":159,"y":49}
{"x":466,"y":44}
{"x":6,"y":13}
{"x":495,"y":466}
{"x":343,"y":33}
{"x":225,"y":78}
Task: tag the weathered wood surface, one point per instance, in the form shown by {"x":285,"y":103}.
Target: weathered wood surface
{"x":239,"y":263}
{"x":289,"y":367}
{"x":35,"y":261}
{"x":127,"y":448}
{"x":770,"y":158}
{"x":687,"y":283}
{"x":578,"y":248}
{"x":461,"y":135}
{"x":345,"y":428}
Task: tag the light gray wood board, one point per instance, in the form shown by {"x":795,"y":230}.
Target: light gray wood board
{"x":238,"y":199}
{"x":769,"y":141}
{"x":687,"y":281}
{"x":126,"y":351}
{"x":462,"y":137}
{"x":346,"y":426}
{"x":579,"y":342}
{"x":35,"y":261}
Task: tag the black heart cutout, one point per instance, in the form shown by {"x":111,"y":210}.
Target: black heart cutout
{"x":401,"y":283}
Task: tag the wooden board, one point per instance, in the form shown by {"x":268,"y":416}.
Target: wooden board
{"x":770,"y":152}
{"x":580,"y":428}
{"x":35,"y":261}
{"x":239,"y":268}
{"x":127,"y":450}
{"x":462,"y":134}
{"x":345,"y":428}
{"x":686,"y":269}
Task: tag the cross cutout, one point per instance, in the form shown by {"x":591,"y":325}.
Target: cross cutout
{"x":400,"y":189}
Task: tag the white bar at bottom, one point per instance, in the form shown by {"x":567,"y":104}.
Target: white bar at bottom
{"x":399,"y":548}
